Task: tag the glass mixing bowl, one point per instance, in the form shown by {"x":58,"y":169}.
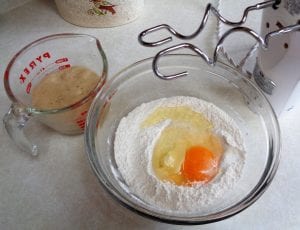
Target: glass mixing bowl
{"x":221,"y":85}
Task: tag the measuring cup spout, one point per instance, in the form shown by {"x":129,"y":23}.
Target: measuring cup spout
{"x":15,"y":121}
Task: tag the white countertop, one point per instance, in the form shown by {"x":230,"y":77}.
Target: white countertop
{"x":58,"y":190}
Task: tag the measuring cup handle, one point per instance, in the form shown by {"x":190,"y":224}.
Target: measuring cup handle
{"x":15,"y":121}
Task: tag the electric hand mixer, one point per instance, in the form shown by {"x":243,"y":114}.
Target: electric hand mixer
{"x":277,"y":68}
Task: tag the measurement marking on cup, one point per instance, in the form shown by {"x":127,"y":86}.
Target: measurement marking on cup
{"x":28,"y":87}
{"x":81,"y":123}
{"x":84,"y":113}
{"x":61,"y":60}
{"x":82,"y":119}
{"x":64,"y":67}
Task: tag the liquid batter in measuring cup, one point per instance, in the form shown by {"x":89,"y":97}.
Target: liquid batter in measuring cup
{"x":63,"y":88}
{"x":52,"y":81}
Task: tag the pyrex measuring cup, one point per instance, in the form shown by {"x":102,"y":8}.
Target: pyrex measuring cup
{"x":31,"y":64}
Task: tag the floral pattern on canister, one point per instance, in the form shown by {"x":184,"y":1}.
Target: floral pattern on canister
{"x":102,"y":7}
{"x":292,"y":6}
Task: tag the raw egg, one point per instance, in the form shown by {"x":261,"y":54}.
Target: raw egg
{"x":199,"y":164}
{"x":187,"y":150}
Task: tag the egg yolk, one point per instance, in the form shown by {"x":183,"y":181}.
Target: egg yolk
{"x":199,"y":164}
{"x":187,"y":150}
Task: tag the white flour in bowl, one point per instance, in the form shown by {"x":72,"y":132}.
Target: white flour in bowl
{"x":133,"y":148}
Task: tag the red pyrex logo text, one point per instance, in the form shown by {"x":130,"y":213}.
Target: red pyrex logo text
{"x":32,"y":65}
{"x":62,"y":63}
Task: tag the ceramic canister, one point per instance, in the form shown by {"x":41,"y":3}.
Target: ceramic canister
{"x":99,"y":13}
{"x":277,"y":70}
